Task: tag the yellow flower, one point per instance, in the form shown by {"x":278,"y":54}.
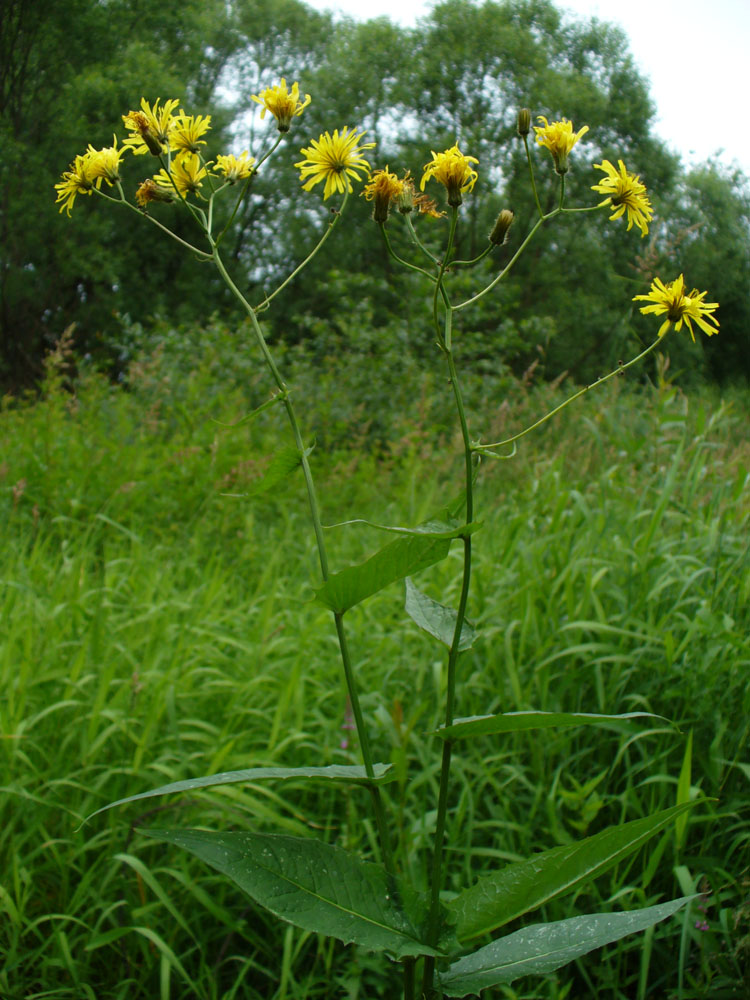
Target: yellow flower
{"x":79,"y":178}
{"x":383,"y":188}
{"x":334,"y":159}
{"x":235,"y":168}
{"x":282,"y":103}
{"x":105,"y":163}
{"x":453,"y":170}
{"x":186,"y":131}
{"x":559,"y":138}
{"x":625,"y":193}
{"x":185,"y":174}
{"x":671,"y":300}
{"x":151,"y":127}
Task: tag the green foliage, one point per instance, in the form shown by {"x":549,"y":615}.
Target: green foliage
{"x":160,"y":651}
{"x":461,"y":75}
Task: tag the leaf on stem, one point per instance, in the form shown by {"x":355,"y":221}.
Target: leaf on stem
{"x":542,"y":948}
{"x":513,"y":722}
{"x":518,"y":888}
{"x":352,"y":773}
{"x":395,"y":561}
{"x":282,"y":465}
{"x":436,"y":619}
{"x":315,"y":886}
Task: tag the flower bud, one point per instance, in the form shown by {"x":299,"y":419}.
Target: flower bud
{"x":499,"y":234}
{"x":405,"y":201}
{"x":149,"y":190}
{"x":524,"y":122}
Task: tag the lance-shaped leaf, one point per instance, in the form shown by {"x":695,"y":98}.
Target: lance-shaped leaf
{"x":512,"y":722}
{"x":398,"y":559}
{"x":351,"y":773}
{"x":436,"y":529}
{"x":435,"y":618}
{"x":500,"y":897}
{"x":541,"y":948}
{"x":315,"y":886}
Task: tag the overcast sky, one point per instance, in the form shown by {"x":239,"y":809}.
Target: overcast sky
{"x":694,"y":52}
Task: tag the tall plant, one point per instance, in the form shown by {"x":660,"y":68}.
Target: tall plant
{"x":310,"y":883}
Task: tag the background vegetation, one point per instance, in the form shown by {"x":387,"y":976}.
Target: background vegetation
{"x":154,"y":613}
{"x":156,"y":625}
{"x":69,"y":71}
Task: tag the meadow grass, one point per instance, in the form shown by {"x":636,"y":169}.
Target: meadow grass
{"x":156,"y":626}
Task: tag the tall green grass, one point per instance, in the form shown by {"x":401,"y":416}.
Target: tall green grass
{"x":154,"y":625}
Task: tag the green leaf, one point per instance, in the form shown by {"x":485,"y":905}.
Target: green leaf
{"x":313,"y":885}
{"x":518,"y":888}
{"x":435,"y":529}
{"x":541,"y":948}
{"x":683,"y":792}
{"x":353,"y":773}
{"x":435,"y":618}
{"x":398,"y":559}
{"x":512,"y":722}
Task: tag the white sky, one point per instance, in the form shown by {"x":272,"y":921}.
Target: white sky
{"x":694,"y":52}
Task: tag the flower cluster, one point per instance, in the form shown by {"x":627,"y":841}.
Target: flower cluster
{"x":87,"y":172}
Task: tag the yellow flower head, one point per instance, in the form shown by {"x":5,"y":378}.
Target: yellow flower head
{"x":453,"y":170}
{"x":334,"y":159}
{"x":151,"y":127}
{"x":559,"y":138}
{"x":235,"y":168}
{"x":186,"y":131}
{"x":383,"y":188}
{"x":79,"y":178}
{"x":282,"y":103}
{"x":671,"y":300}
{"x":625,"y":193}
{"x":105,"y":163}
{"x":185,"y":174}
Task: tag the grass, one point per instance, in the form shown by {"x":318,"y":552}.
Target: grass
{"x":153,"y":628}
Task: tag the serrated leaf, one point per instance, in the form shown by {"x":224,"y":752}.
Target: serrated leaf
{"x":498,"y":898}
{"x":352,"y":773}
{"x":513,"y":722}
{"x":396,"y":560}
{"x":541,"y":948}
{"x":435,"y":618}
{"x":313,"y":885}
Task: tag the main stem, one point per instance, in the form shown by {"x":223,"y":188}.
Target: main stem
{"x":351,"y":685}
{"x":433,"y":921}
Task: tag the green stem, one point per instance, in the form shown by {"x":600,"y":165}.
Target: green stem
{"x":433,"y":920}
{"x":400,"y":260}
{"x":509,"y":265}
{"x":439,"y":281}
{"x":331,"y":226}
{"x":531,"y":174}
{"x":417,"y":241}
{"x":351,"y":685}
{"x":124,"y":201}
{"x":410,"y":982}
{"x":484,"y":449}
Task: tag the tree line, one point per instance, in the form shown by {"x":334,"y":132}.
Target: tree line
{"x":69,"y":71}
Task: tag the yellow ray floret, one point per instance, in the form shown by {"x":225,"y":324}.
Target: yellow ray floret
{"x":186,"y":175}
{"x":186,"y":131}
{"x":679,"y":308}
{"x":151,"y":127}
{"x":453,"y":170}
{"x":79,"y":178}
{"x":334,"y":159}
{"x":625,"y":193}
{"x":235,"y":168}
{"x":282,"y":103}
{"x":559,"y":138}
